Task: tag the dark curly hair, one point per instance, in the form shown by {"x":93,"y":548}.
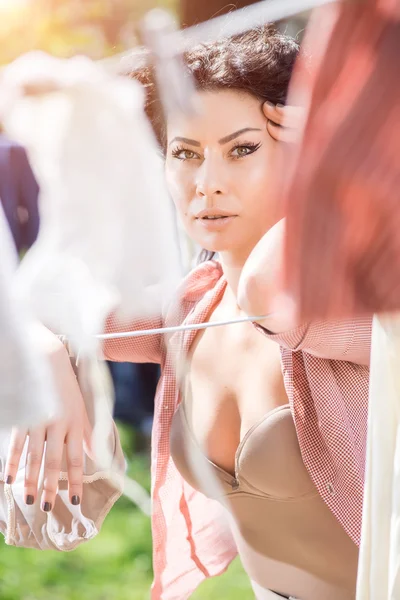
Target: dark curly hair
{"x":259,"y":62}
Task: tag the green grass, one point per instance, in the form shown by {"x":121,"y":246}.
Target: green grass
{"x":114,"y":566}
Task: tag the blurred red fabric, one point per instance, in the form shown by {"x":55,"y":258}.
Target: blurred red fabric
{"x":343,"y":201}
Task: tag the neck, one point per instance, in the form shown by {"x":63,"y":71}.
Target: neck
{"x":232,"y":267}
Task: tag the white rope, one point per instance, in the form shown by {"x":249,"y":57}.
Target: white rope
{"x":197,"y":326}
{"x":244,"y":19}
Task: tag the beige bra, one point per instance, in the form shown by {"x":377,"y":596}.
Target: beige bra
{"x":288,"y":539}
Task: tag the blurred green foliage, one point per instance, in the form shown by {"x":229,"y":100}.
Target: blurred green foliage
{"x":97,"y":28}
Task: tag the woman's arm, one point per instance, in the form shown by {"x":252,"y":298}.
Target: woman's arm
{"x":259,"y":294}
{"x":145,"y":349}
{"x":260,"y":285}
{"x":71,"y":429}
{"x":337,"y":340}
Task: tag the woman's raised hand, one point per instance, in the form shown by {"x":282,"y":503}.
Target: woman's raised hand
{"x":284,"y":123}
{"x":71,"y":428}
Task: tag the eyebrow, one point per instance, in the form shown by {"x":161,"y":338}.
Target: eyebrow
{"x":185,"y":141}
{"x":232,"y":136}
{"x":222,"y":141}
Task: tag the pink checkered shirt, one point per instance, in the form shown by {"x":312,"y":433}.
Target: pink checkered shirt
{"x":328,"y":394}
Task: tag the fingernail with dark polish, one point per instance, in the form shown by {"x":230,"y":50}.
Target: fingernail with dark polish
{"x":270,"y":104}
{"x":9,"y":480}
{"x":75,"y":500}
{"x":280,"y":105}
{"x":47,"y":507}
{"x":30,"y":499}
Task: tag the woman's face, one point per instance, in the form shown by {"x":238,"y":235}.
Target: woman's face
{"x":218,"y":171}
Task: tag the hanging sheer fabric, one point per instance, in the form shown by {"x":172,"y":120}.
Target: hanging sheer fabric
{"x":106,"y":244}
{"x":28,"y":396}
{"x":107,"y":239}
{"x":379,"y":563}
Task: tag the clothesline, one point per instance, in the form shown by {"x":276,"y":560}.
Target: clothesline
{"x":241,"y":20}
{"x":193,"y":327}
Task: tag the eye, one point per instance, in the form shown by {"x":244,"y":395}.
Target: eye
{"x":243,"y":150}
{"x":184,"y":154}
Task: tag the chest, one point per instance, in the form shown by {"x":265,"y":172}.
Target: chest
{"x":234,"y":379}
{"x":234,"y":360}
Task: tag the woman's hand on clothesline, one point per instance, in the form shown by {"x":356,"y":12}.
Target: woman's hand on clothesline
{"x":284,"y":123}
{"x":71,"y":430}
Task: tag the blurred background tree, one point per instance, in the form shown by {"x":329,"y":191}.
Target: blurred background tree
{"x":97,"y":28}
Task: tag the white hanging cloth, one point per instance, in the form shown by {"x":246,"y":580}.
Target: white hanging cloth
{"x":27,"y":394}
{"x":379,"y":563}
{"x":107,"y":239}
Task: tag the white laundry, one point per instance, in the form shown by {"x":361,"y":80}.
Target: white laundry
{"x":379,"y":564}
{"x":27,"y":394}
{"x":108,"y":235}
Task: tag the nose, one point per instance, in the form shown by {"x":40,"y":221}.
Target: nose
{"x":210,"y":179}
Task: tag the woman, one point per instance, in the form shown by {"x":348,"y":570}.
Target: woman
{"x":279,"y":417}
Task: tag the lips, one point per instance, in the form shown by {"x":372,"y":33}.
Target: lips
{"x":215,"y":223}
{"x":214,"y":214}
{"x":213,"y":218}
